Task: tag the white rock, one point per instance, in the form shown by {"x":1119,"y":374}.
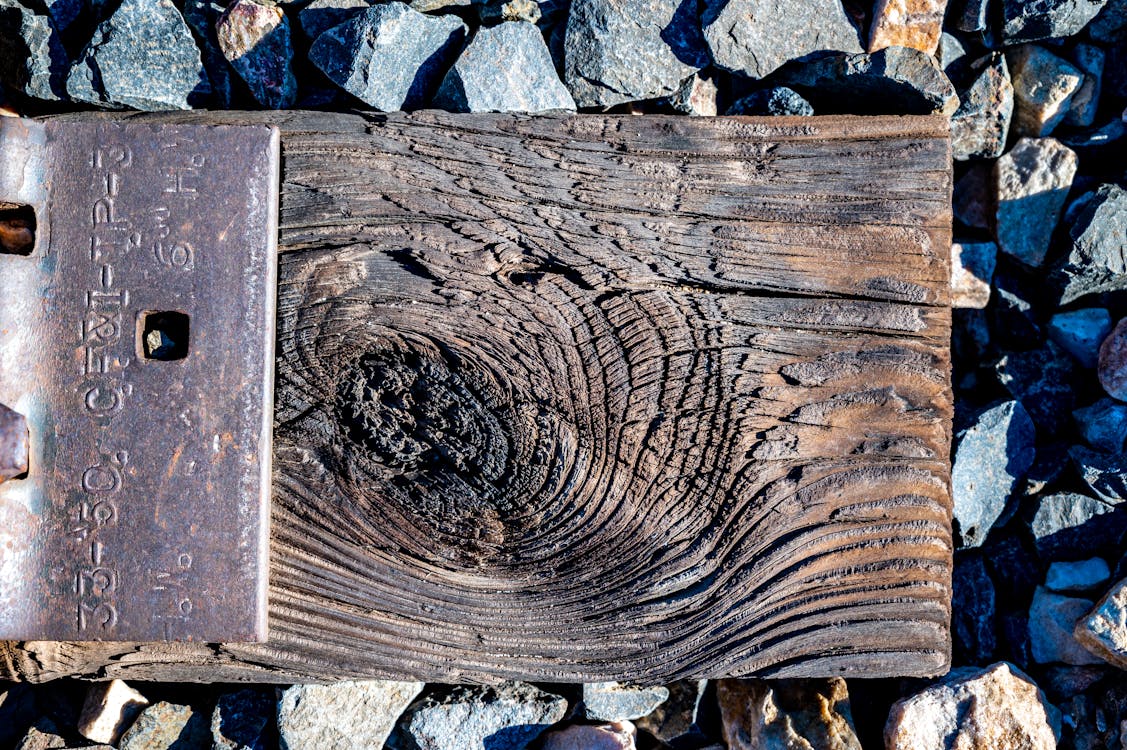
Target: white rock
{"x":618,"y":735}
{"x":1044,"y":85}
{"x":1051,"y":621}
{"x":1077,"y":576}
{"x":109,"y":709}
{"x":972,"y":268}
{"x":343,"y":715}
{"x":1104,"y":630}
{"x":615,"y":701}
{"x":1031,"y":184}
{"x":996,"y":708}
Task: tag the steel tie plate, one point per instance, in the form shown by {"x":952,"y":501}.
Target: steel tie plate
{"x":137,"y":340}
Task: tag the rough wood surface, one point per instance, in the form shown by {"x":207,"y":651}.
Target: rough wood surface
{"x":599,"y":397}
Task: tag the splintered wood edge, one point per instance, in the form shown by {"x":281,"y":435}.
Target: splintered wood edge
{"x":818,"y":420}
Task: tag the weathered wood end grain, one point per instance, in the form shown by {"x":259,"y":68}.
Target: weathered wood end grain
{"x":599,"y":397}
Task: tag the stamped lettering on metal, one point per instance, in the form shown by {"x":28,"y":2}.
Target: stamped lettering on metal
{"x":137,"y":339}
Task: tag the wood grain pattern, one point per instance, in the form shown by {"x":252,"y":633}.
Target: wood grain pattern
{"x":599,"y":397}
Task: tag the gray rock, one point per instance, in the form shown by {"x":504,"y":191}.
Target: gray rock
{"x":896,"y":80}
{"x":972,"y":269}
{"x":202,"y":16}
{"x":696,"y":97}
{"x":973,"y":195}
{"x":241,"y":721}
{"x":953,"y":58}
{"x":321,"y":15}
{"x":32,"y":57}
{"x":676,"y":717}
{"x":993,"y":708}
{"x":972,"y":610}
{"x":1068,"y":526}
{"x":1111,"y":365}
{"x":1042,"y":380}
{"x":1103,"y":425}
{"x":1051,"y":620}
{"x":167,"y":726}
{"x":613,"y":736}
{"x":505,"y":68}
{"x":254,"y":36}
{"x":1044,"y":85}
{"x":42,"y":735}
{"x":497,"y":11}
{"x":1080,"y":332}
{"x":342,"y":715}
{"x":1089,"y":59}
{"x":616,"y":701}
{"x":63,"y":13}
{"x":1011,"y":310}
{"x":1078,"y":576}
{"x":1110,"y":25}
{"x":143,"y":56}
{"x":1096,"y":262}
{"x":1032,"y":183}
{"x":777,"y":100}
{"x":17,"y":711}
{"x":982,"y":121}
{"x":505,"y":717}
{"x":617,"y":51}
{"x":991,"y":456}
{"x":1030,"y":20}
{"x":1104,"y":473}
{"x":756,"y":37}
{"x":1103,"y":632}
{"x":975,"y":18}
{"x":390,"y":56}
{"x":430,"y":6}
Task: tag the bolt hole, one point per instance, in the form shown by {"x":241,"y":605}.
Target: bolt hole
{"x":17,"y":229}
{"x":164,"y":336}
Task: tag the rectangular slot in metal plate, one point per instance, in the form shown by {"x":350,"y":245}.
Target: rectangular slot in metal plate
{"x":137,"y":339}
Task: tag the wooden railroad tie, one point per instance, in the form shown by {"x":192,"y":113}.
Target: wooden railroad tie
{"x":585,"y":397}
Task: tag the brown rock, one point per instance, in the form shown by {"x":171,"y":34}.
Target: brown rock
{"x":996,"y":708}
{"x":1104,"y":630}
{"x":1043,"y":85}
{"x":907,"y":23}
{"x":109,"y":709}
{"x":972,"y":268}
{"x":618,"y":735}
{"x":1112,"y":367}
{"x":786,"y":714}
{"x":254,"y":35}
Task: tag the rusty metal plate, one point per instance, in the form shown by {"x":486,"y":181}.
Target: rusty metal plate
{"x":137,"y":339}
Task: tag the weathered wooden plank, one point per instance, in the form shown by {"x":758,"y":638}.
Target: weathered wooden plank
{"x":587,"y":398}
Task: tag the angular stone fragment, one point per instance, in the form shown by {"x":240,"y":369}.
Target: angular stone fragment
{"x":505,"y":68}
{"x":1110,"y":25}
{"x":202,"y":16}
{"x":1069,"y":526}
{"x":1112,"y":362}
{"x":509,"y":10}
{"x":614,"y":736}
{"x":1104,"y":473}
{"x":616,"y":701}
{"x":1103,"y":631}
{"x":167,"y":726}
{"x":32,"y":57}
{"x":343,"y":715}
{"x":42,"y":735}
{"x":995,"y":708}
{"x":1078,"y":576}
{"x":1080,"y":333}
{"x":974,"y":18}
{"x":1052,"y":618}
{"x":777,"y":100}
{"x":1103,"y":425}
{"x":907,"y":23}
{"x":896,"y":80}
{"x":973,"y":196}
{"x":786,"y":714}
{"x":675,"y":717}
{"x":1032,"y":183}
{"x":1043,"y":85}
{"x":1096,"y":262}
{"x":696,"y":97}
{"x":1028,"y":21}
{"x":953,"y":58}
{"x":972,"y":610}
{"x":1084,"y":104}
{"x":991,"y":456}
{"x":981,"y":123}
{"x":617,"y":51}
{"x":254,"y":35}
{"x":143,"y":56}
{"x":241,"y":721}
{"x":1042,"y":379}
{"x":756,"y":37}
{"x":321,"y":15}
{"x":109,"y":709}
{"x":972,"y":269}
{"x":504,"y":717}
{"x":389,"y":56}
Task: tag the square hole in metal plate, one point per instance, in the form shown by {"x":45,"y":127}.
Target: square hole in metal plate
{"x":17,"y":229}
{"x":164,"y":336}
